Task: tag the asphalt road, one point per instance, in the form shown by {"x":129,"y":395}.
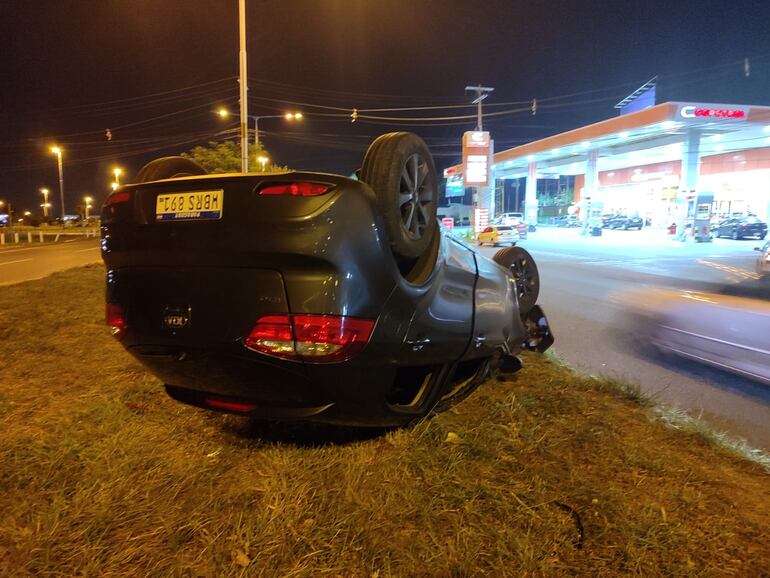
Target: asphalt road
{"x":580,"y":276}
{"x":35,"y":261}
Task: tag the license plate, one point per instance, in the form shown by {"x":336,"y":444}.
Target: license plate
{"x":190,"y":206}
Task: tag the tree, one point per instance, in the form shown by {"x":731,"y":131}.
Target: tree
{"x":225,"y":157}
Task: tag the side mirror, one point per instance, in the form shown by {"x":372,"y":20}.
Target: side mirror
{"x":757,"y":249}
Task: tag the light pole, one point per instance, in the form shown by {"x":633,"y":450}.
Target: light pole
{"x":58,"y":152}
{"x":263,"y":161}
{"x":88,"y":204}
{"x":45,"y":202}
{"x":244,"y":73}
{"x":117,"y":172}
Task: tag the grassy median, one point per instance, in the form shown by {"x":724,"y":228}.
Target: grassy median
{"x":550,"y":473}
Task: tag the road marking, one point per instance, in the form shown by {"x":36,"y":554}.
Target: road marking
{"x":84,"y":250}
{"x":18,"y":261}
{"x":17,"y":250}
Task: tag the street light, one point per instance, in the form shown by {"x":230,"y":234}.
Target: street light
{"x":88,"y":202}
{"x":45,"y":202}
{"x":58,"y":152}
{"x":263,"y":161}
{"x":224,"y":113}
{"x":117,"y":172}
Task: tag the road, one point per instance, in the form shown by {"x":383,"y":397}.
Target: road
{"x":35,"y":261}
{"x":581,"y":275}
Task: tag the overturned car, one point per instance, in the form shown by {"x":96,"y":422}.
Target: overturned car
{"x":311,"y":296}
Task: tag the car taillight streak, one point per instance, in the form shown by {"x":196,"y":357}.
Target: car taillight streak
{"x":315,"y":338}
{"x":301,"y":189}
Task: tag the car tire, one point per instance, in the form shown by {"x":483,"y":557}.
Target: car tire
{"x":400,"y":170}
{"x":735,"y":235}
{"x":524,"y":270}
{"x":168,"y":168}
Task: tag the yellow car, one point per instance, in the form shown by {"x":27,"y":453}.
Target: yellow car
{"x":495,"y":235}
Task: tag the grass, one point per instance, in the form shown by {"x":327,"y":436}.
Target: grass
{"x":549,"y":473}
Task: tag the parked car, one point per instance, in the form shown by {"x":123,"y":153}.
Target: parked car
{"x":763,"y":260}
{"x":310,"y":296}
{"x":740,"y":227}
{"x":498,"y":234}
{"x":624,"y":222}
{"x":728,"y":330}
{"x":567,"y":221}
{"x":513,"y":220}
{"x":607,"y":218}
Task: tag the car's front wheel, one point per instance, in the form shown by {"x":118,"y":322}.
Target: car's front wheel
{"x":524,"y":271}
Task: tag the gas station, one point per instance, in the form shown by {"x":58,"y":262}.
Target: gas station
{"x":670,"y":163}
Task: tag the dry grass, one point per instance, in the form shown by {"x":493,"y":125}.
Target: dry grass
{"x":548,"y":474}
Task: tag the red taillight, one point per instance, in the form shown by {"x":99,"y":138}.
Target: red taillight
{"x":229,"y":405}
{"x":272,"y":334}
{"x":317,"y":338}
{"x":117,"y":198}
{"x":116,"y":319}
{"x":303,"y":189}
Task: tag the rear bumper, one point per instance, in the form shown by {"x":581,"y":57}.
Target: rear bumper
{"x":348,"y":393}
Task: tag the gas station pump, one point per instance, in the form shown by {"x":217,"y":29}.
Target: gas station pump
{"x":699,"y":216}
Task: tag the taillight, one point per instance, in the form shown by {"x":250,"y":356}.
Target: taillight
{"x":227,"y":405}
{"x":316,"y":338}
{"x":117,"y":198}
{"x":116,"y":319}
{"x":272,"y":334}
{"x":302,"y":189}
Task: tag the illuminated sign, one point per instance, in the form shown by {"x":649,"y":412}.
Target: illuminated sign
{"x":476,"y":172}
{"x":692,"y":111}
{"x":477,"y":148}
{"x":455,"y":186}
{"x":480,"y":220}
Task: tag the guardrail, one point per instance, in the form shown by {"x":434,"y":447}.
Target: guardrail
{"x":18,"y":237}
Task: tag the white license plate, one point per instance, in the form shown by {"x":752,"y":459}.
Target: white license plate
{"x":190,"y":206}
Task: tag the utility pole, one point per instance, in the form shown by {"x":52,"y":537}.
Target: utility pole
{"x":481,"y":93}
{"x":244,"y":89}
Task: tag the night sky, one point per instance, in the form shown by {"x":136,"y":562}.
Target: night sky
{"x":153,"y":72}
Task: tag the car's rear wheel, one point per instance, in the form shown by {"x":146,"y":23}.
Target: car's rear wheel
{"x":168,"y":168}
{"x":400,"y":170}
{"x":736,"y":236}
{"x":524,"y":270}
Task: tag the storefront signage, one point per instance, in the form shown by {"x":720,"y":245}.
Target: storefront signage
{"x":477,"y":149}
{"x":480,"y":220}
{"x":693,"y":111}
{"x":454,"y":186}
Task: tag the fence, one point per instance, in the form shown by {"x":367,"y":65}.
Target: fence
{"x":20,"y":236}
